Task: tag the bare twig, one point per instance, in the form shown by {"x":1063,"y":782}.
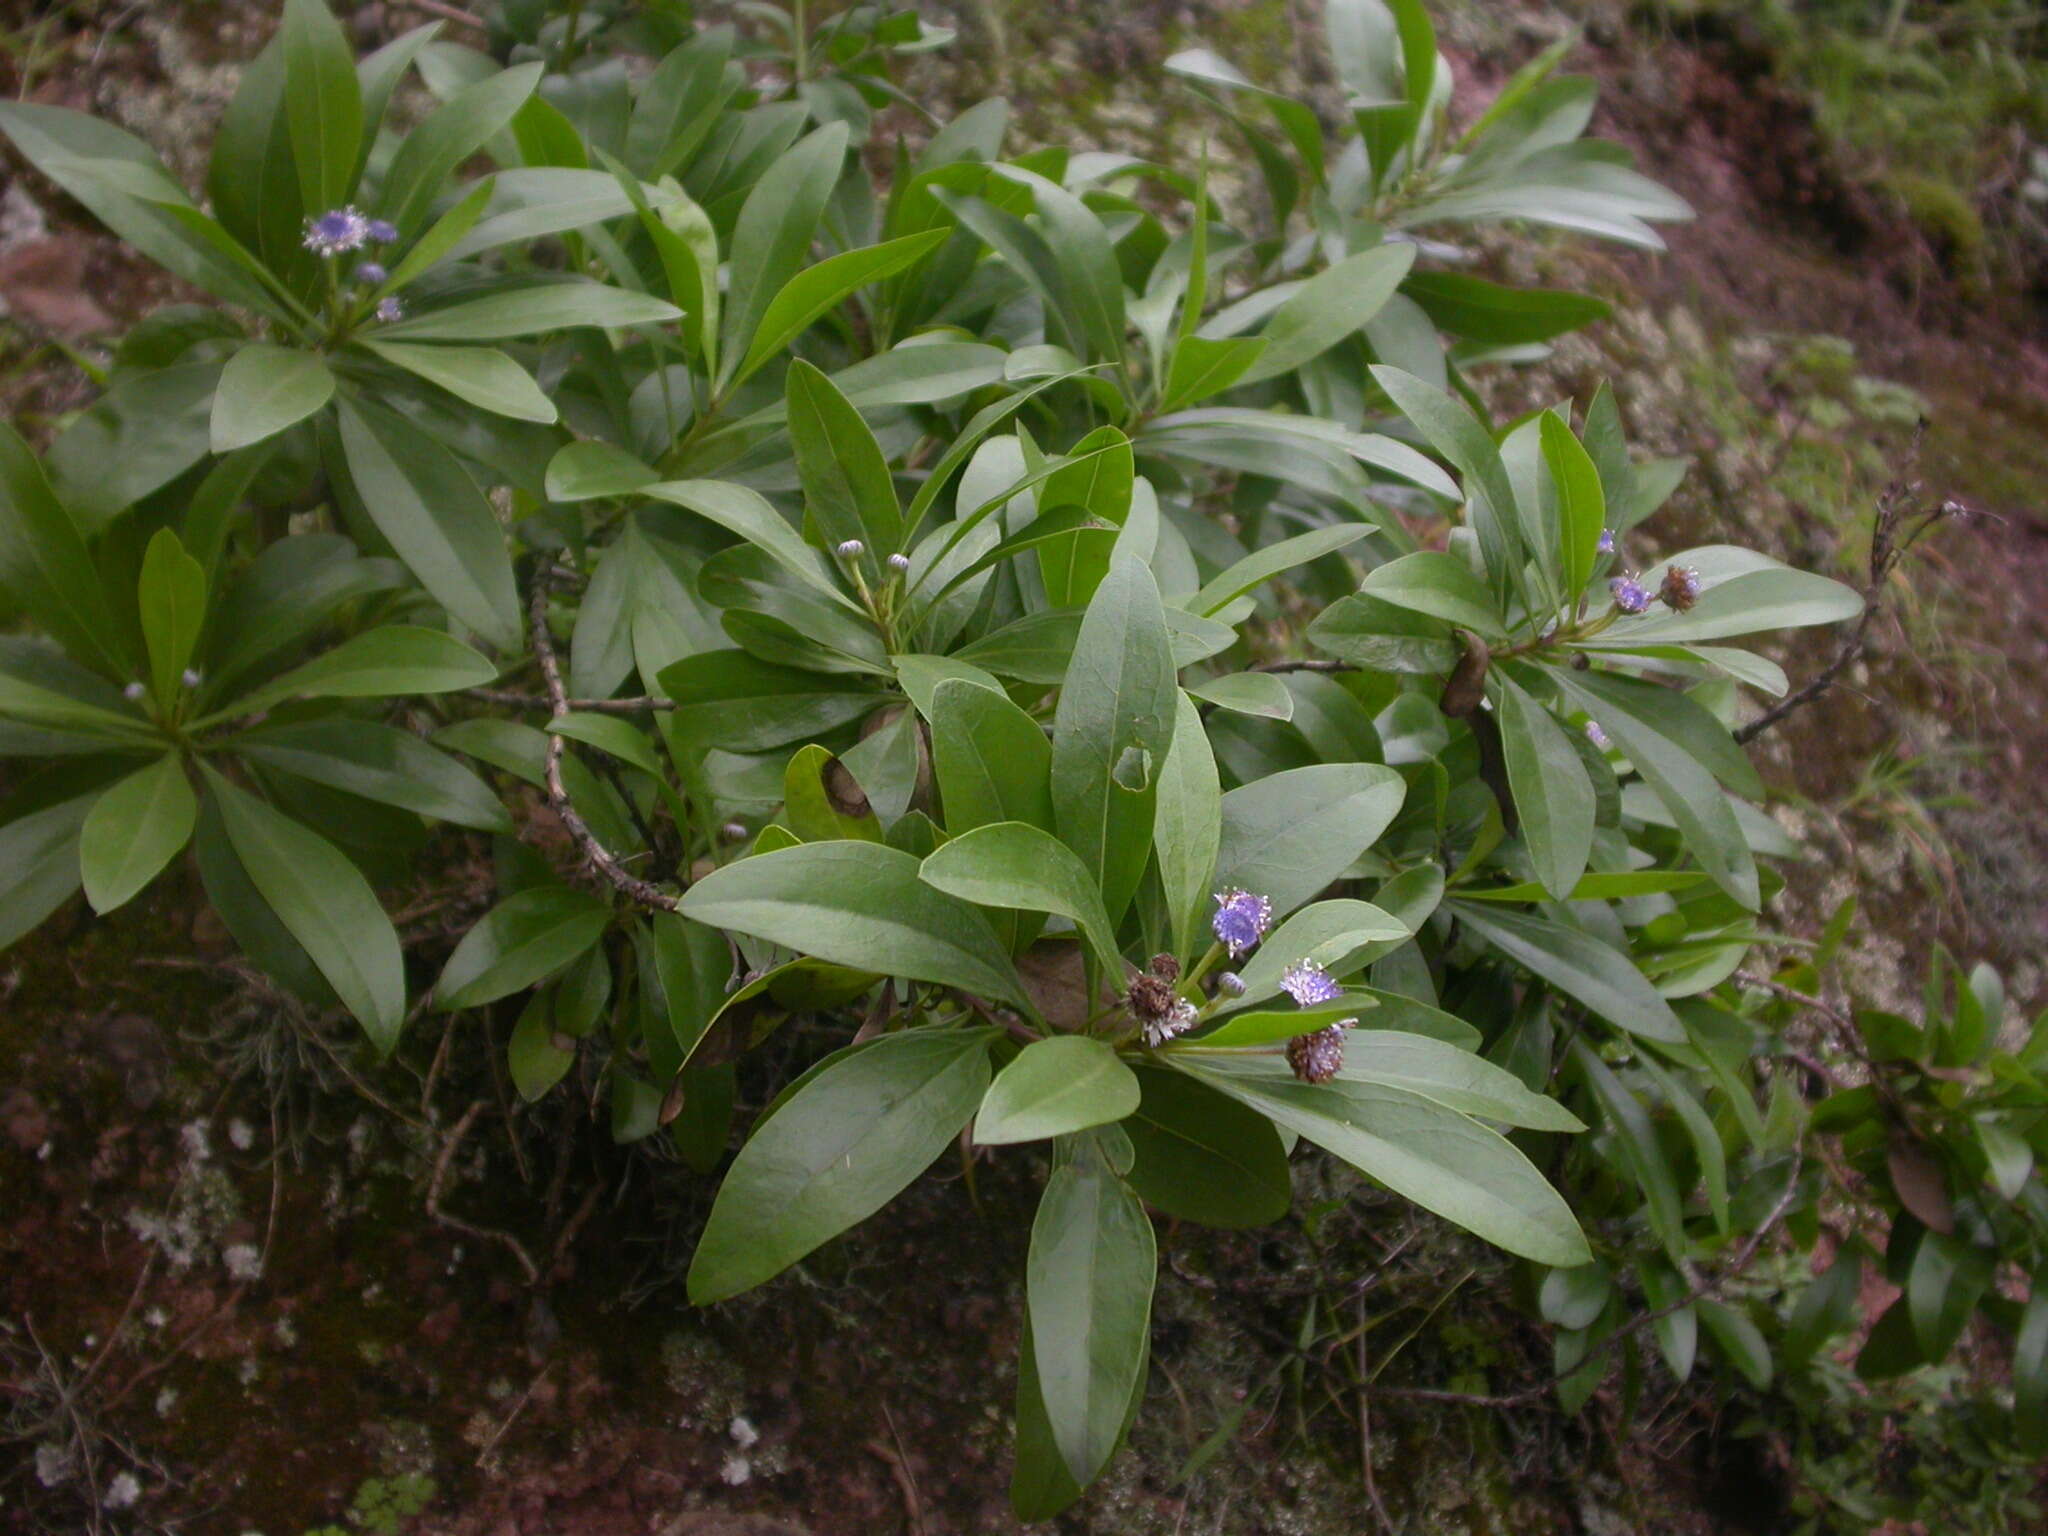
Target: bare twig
{"x":510,"y":699}
{"x":439,"y":1181}
{"x":899,"y":1467}
{"x":447,"y":12}
{"x":616,"y":874}
{"x":1888,"y":546}
{"x":483,"y":1456}
{"x":1304,"y":666}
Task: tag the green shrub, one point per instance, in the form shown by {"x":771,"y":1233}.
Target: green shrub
{"x":887,"y":563}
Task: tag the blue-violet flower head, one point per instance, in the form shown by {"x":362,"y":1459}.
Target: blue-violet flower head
{"x":1630,"y":595}
{"x":1606,"y":541}
{"x":1309,"y":984}
{"x":389,"y":310}
{"x":382,"y":232}
{"x":337,"y":230}
{"x":1241,"y":920}
{"x":370,"y":274}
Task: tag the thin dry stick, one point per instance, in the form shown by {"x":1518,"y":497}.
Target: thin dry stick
{"x":1732,"y":1270}
{"x":447,"y":12}
{"x":642,"y":705}
{"x":616,"y":874}
{"x":1887,"y":548}
{"x":1372,"y":1491}
{"x":525,"y":1397}
{"x":899,"y":1466}
{"x":440,"y":1179}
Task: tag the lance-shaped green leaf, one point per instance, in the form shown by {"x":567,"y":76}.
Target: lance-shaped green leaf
{"x":847,"y":487}
{"x":457,"y":129}
{"x":1449,"y":427}
{"x":45,"y":566}
{"x":1329,"y":307}
{"x":1443,"y":1161}
{"x":1439,"y":585}
{"x":523,"y":939}
{"x":836,"y":1150}
{"x":1580,"y":966}
{"x":1112,"y":729}
{"x":991,"y":759}
{"x":1288,"y":835}
{"x":1581,"y":502}
{"x":323,"y":103}
{"x":1457,"y":1079}
{"x":858,"y":904}
{"x":134,"y":830}
{"x":749,"y":514}
{"x":424,"y":502}
{"x":264,"y":389}
{"x":1088,"y":1284}
{"x":1054,"y":1086}
{"x":325,"y":904}
{"x":807,"y":296}
{"x":391,"y":659}
{"x":483,"y":376}
{"x":1187,"y":824}
{"x":1772,"y":597}
{"x":1553,"y":797}
{"x":774,"y":232}
{"x":531,"y":309}
{"x":1682,"y":782}
{"x":170,"y":595}
{"x":1262,"y":565}
{"x":1015,"y":865}
{"x":1498,"y":316}
{"x":39,"y":866}
{"x":379,"y":763}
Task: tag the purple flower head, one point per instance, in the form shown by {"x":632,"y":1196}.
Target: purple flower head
{"x":1318,"y":1057}
{"x":337,"y":230}
{"x":1241,"y":920}
{"x":389,"y":310}
{"x":1681,"y":588}
{"x":382,"y":231}
{"x":1630,"y":595}
{"x":370,"y":274}
{"x":1606,"y":541}
{"x":1597,"y":736}
{"x":1309,"y":984}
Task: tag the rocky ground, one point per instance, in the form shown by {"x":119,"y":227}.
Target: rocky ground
{"x":244,"y":1289}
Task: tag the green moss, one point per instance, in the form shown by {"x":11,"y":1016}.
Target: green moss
{"x":383,"y":1504}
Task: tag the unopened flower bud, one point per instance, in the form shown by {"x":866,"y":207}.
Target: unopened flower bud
{"x":1606,"y":541}
{"x":389,"y":310}
{"x":899,"y":563}
{"x":189,"y":677}
{"x":133,"y":692}
{"x":383,"y":231}
{"x":1229,"y":984}
{"x":370,"y":274}
{"x":851,"y":549}
{"x":1597,"y":736}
